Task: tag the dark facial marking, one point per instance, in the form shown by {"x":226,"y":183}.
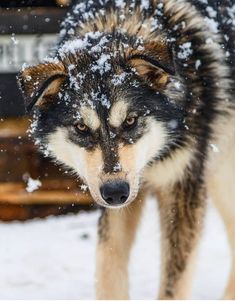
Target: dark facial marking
{"x":109,"y":147}
{"x":103,"y":226}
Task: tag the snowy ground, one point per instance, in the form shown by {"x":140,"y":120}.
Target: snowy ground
{"x":54,"y":258}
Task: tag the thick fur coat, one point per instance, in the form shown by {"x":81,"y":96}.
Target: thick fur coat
{"x":139,"y":98}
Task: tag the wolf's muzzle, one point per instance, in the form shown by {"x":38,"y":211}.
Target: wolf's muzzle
{"x":115,"y":193}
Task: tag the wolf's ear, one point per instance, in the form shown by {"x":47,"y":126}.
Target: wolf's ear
{"x":39,"y":83}
{"x":154,"y":63}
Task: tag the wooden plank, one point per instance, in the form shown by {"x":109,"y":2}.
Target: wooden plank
{"x":13,"y":128}
{"x":15,"y":193}
{"x":9,"y":212}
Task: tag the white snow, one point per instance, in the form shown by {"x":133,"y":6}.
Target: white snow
{"x":231,"y":13}
{"x":117,"y":167}
{"x":55,"y":258}
{"x":14,"y":40}
{"x":84,"y":187}
{"x":211,"y":12}
{"x":118,"y":79}
{"x":212,"y":24}
{"x":72,"y":46}
{"x":173,"y":124}
{"x":214,"y":148}
{"x":197,"y":64}
{"x":102,"y":64}
{"x":33,"y":184}
{"x":185,"y":51}
{"x":177,"y":85}
{"x":145,"y":4}
{"x":105,"y":101}
{"x":120,"y":3}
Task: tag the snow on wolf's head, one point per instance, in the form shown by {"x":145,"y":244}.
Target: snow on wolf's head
{"x":105,"y":107}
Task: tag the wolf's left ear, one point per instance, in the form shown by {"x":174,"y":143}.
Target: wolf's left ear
{"x":154,"y":63}
{"x":39,"y":83}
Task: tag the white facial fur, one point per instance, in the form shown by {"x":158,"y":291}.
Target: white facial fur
{"x":89,"y":165}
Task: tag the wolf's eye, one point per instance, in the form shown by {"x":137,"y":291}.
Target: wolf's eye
{"x":81,"y":127}
{"x":130,"y":122}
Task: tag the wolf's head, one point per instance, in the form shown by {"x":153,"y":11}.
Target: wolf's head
{"x":107,"y":106}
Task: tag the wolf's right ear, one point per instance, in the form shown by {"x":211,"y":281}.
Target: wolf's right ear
{"x":153,"y":62}
{"x":39,"y":83}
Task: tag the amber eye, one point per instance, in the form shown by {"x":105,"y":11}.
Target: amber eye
{"x":130,"y":121}
{"x":81,"y":127}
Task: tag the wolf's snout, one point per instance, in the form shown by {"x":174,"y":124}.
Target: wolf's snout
{"x":115,"y":193}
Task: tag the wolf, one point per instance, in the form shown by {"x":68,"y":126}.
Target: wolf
{"x":138,"y":98}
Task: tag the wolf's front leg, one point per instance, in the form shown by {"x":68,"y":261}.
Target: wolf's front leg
{"x":181,"y":214}
{"x":116,"y":232}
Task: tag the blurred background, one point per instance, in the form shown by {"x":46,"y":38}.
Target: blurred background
{"x":30,"y":185}
{"x":54,"y":257}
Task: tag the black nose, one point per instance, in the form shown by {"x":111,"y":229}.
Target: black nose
{"x":115,"y":193}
